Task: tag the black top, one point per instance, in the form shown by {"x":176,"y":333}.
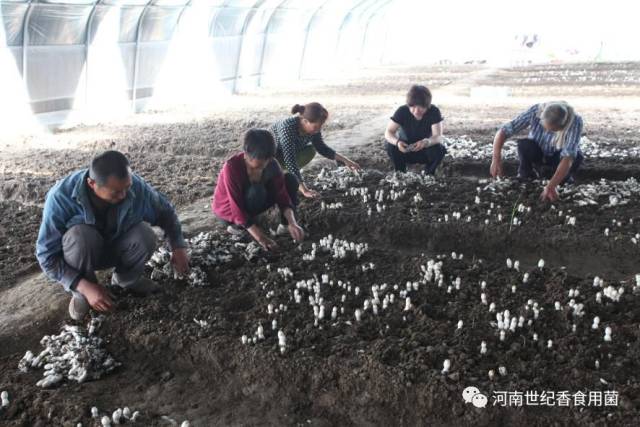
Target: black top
{"x":414,"y":130}
{"x":105,"y":214}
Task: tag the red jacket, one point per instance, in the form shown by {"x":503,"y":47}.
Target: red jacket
{"x":228,"y":198}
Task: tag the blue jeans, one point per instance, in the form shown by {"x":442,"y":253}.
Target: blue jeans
{"x":531,"y":155}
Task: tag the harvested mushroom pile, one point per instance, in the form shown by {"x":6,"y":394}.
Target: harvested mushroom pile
{"x":403,"y":180}
{"x":76,"y":354}
{"x":464,"y":148}
{"x":605,"y":193}
{"x":206,"y":250}
{"x":339,"y":178}
{"x":605,"y":150}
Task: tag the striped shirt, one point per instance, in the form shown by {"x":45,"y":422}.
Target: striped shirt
{"x":291,"y":142}
{"x":544,"y":138}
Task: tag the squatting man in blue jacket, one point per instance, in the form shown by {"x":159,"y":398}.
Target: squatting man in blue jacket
{"x":99,"y":218}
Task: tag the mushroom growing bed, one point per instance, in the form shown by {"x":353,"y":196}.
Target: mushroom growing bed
{"x":411,"y":291}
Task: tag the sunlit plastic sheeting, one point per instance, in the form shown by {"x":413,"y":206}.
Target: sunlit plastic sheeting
{"x":351,"y":33}
{"x":229,"y":22}
{"x":195,"y":63}
{"x":181,"y":46}
{"x":159,"y":23}
{"x":63,"y":65}
{"x":108,"y":69}
{"x":123,"y":22}
{"x":57,"y":24}
{"x":15,"y":53}
{"x":284,"y":44}
{"x":68,"y":2}
{"x":124,"y":2}
{"x":13,"y":15}
{"x":253,"y":44}
{"x":322,"y":39}
{"x":151,"y":58}
{"x":170,"y":2}
{"x":16,"y":115}
{"x":375,"y":37}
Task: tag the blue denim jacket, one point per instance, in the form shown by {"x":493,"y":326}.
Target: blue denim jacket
{"x":67,"y":204}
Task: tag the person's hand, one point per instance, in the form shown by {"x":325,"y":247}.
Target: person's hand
{"x":403,"y":147}
{"x":549,"y":193}
{"x":496,"y":168}
{"x":267,"y":243}
{"x":97,"y":295}
{"x":296,"y":232}
{"x":351,"y":165}
{"x":420,"y":145}
{"x":311,"y":194}
{"x":180,"y":260}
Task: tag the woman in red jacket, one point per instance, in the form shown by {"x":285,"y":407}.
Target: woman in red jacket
{"x":250,"y":183}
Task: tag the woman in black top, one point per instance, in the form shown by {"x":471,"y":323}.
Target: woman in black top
{"x":414,"y":133}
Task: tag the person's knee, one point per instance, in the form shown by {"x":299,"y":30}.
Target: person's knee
{"x":82,"y":239}
{"x":441,"y":151}
{"x":392,"y":151}
{"x":524,"y":144}
{"x":291,"y":182}
{"x":140,"y":239}
{"x":305,"y":156}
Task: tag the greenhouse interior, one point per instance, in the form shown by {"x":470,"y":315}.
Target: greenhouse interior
{"x":319,"y":212}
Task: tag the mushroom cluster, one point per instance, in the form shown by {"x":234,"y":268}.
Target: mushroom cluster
{"x":605,"y":193}
{"x":76,"y":354}
{"x":119,"y":416}
{"x":205,"y":251}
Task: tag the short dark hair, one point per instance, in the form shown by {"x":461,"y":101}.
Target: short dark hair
{"x":259,"y":144}
{"x":419,"y":95}
{"x":109,"y":163}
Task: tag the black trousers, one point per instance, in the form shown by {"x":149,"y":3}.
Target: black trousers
{"x":531,"y":155}
{"x":430,"y":157}
{"x":258,"y":198}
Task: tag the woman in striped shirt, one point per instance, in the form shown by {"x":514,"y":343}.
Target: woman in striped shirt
{"x":299,"y":137}
{"x":554,"y":140}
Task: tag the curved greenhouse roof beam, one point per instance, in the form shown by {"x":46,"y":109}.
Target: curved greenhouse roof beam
{"x":365,"y":33}
{"x":306,"y":36}
{"x":87,"y":42}
{"x":136,"y":57}
{"x":264,"y":41}
{"x":245,"y":26}
{"x":25,"y":43}
{"x":385,"y":43}
{"x":347,"y":18}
